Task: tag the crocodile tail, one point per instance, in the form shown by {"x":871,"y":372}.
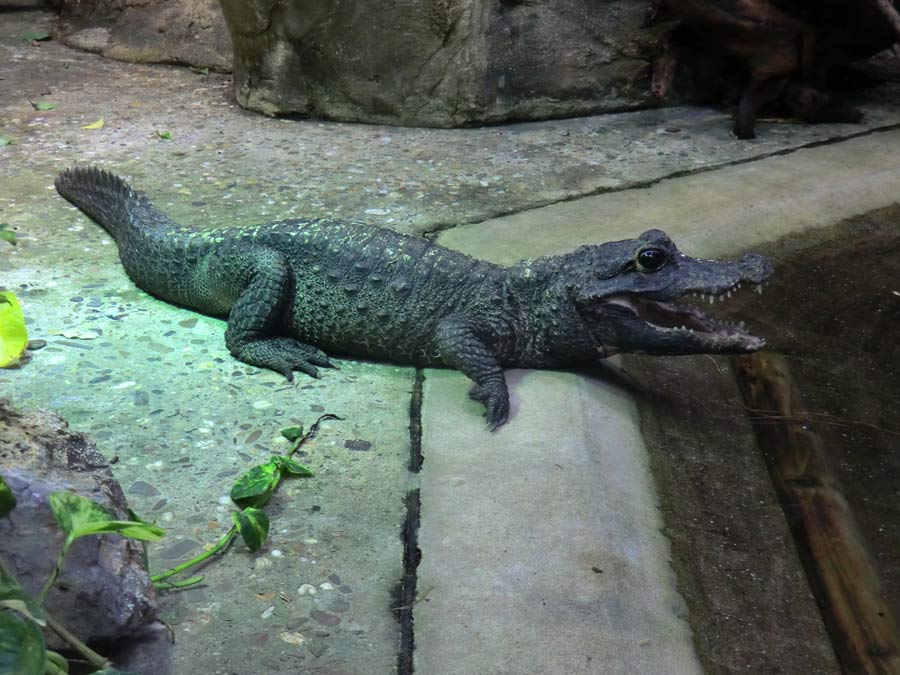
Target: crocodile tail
{"x":110,"y":201}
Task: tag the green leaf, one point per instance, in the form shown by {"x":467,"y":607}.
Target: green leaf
{"x":292,"y":433}
{"x":73,"y":512}
{"x":253,"y":525}
{"x":165,"y":135}
{"x":22,"y":649}
{"x":6,"y":140}
{"x":125,"y":528}
{"x":44,"y":105}
{"x":200,"y":71}
{"x":13,"y":335}
{"x":13,"y":596}
{"x":79,"y":516}
{"x":9,"y":236}
{"x":57,"y":660}
{"x":291,"y":466}
{"x":36,"y":36}
{"x":7,"y":498}
{"x":256,"y":486}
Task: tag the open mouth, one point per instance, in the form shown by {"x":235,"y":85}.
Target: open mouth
{"x":689,"y":321}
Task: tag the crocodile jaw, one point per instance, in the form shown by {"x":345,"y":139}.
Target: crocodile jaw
{"x":681,"y":327}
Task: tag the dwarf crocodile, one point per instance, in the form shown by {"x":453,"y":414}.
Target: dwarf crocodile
{"x":294,"y":290}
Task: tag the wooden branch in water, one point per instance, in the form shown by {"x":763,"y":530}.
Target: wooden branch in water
{"x":890,"y":13}
{"x":841,"y":571}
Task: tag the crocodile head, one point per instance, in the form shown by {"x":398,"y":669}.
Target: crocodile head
{"x":635,"y":296}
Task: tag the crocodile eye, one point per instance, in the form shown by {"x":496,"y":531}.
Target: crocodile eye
{"x":651,"y":259}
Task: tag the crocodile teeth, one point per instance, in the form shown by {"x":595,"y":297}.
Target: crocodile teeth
{"x":712,"y":299}
{"x":759,"y":289}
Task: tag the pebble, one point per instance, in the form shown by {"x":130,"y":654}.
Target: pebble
{"x":306,"y":589}
{"x":324,"y":618}
{"x":144,"y":489}
{"x":276,"y":553}
{"x":357,"y":445}
{"x":268,"y":612}
{"x":339,"y":605}
{"x":292,"y":638}
{"x":34,"y":345}
{"x":326,"y":586}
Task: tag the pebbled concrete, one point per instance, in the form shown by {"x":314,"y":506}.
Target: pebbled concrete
{"x":542,"y":550}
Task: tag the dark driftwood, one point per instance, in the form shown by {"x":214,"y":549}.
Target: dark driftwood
{"x":776,"y":52}
{"x":840,"y":569}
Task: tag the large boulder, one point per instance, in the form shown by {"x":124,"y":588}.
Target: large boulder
{"x":104,"y":592}
{"x":192,"y":32}
{"x":439,"y":62}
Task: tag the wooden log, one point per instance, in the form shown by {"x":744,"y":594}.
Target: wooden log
{"x":840,"y":569}
{"x":886,"y":7}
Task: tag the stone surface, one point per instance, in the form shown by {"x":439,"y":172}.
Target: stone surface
{"x":541,"y":543}
{"x":439,"y":63}
{"x":714,"y":213}
{"x":103,"y":592}
{"x":191,"y":32}
{"x":223,"y":166}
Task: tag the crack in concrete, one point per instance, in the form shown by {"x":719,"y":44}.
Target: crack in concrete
{"x":436,"y":229}
{"x":405,"y":592}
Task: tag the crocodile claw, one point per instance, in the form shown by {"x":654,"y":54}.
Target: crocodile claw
{"x":496,"y":400}
{"x":284,"y":355}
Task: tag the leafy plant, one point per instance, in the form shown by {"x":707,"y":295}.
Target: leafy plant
{"x":250,"y":493}
{"x":13,"y":334}
{"x":7,"y":234}
{"x":22,"y":648}
{"x":36,"y":36}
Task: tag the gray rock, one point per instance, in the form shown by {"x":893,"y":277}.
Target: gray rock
{"x":156,"y":31}
{"x":441,"y":62}
{"x":104,"y":592}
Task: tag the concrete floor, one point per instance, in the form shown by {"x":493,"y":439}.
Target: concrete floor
{"x":541,"y":545}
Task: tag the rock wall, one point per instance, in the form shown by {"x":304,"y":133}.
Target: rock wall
{"x":104,"y":591}
{"x":439,"y":62}
{"x":192,"y":32}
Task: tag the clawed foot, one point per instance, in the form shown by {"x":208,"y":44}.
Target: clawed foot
{"x":496,"y":400}
{"x":284,"y":355}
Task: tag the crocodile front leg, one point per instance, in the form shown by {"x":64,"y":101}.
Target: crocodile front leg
{"x":461,"y":348}
{"x":262,"y":282}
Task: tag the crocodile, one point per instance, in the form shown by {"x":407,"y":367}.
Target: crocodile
{"x":294,"y":291}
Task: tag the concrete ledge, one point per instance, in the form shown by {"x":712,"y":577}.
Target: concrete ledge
{"x":709,"y":214}
{"x":541,"y":543}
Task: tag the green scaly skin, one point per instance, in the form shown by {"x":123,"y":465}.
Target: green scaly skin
{"x":294,"y":290}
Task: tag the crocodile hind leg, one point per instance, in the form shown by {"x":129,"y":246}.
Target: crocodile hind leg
{"x":260,"y":282}
{"x":462,"y":349}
